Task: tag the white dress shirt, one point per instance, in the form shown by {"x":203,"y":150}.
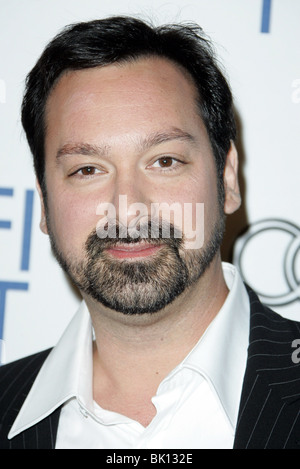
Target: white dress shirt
{"x":197,"y":403}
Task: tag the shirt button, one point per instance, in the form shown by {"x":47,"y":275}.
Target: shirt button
{"x":83,"y":412}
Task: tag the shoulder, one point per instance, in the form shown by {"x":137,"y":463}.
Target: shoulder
{"x":272,"y":338}
{"x":23,"y":366}
{"x":263,"y":316}
{"x":16,"y":379}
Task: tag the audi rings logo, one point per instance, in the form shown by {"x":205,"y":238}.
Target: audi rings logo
{"x":270,"y":241}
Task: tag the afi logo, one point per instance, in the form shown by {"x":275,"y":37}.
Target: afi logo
{"x":266,"y":16}
{"x":7,"y":284}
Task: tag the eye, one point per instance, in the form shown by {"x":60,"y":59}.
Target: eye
{"x":87,"y":171}
{"x":167,"y":162}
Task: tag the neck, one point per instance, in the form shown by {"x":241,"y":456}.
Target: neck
{"x":141,"y":350}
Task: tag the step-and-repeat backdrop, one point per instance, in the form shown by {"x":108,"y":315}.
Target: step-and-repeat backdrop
{"x":258,"y":44}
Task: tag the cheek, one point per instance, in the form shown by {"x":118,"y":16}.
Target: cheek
{"x":201,"y":211}
{"x":71,"y":221}
{"x":196,"y":204}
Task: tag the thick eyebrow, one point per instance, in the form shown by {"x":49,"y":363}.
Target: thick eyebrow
{"x":151,"y":140}
{"x":80,"y":149}
{"x":162,"y":137}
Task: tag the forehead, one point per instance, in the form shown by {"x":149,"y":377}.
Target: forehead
{"x":128,"y":97}
{"x":152,"y":70}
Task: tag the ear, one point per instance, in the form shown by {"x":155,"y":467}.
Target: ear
{"x":231,"y":184}
{"x":43,"y":221}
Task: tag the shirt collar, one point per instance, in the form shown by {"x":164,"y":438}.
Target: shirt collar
{"x":221,"y":353}
{"x":220,"y":356}
{"x":61,"y":375}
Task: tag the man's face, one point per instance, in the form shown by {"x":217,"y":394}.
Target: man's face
{"x":129,"y":132}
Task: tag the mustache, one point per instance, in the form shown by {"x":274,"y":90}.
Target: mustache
{"x":154,"y":232}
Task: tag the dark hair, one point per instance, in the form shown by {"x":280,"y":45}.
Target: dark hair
{"x":117,"y":39}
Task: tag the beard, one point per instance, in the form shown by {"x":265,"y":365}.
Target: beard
{"x":141,"y":286}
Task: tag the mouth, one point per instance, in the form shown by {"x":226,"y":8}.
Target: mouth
{"x":128,"y":251}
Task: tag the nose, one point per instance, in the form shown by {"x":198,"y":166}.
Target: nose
{"x":131,"y":198}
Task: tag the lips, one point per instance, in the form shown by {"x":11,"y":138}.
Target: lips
{"x":127,"y":251}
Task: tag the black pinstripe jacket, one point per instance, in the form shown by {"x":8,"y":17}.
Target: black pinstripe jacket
{"x":269,"y":415}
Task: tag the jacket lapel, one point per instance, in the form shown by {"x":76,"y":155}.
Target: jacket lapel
{"x":40,"y":436}
{"x":269,"y":415}
{"x":16,"y":380}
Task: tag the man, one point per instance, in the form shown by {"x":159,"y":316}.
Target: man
{"x":169,"y":349}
